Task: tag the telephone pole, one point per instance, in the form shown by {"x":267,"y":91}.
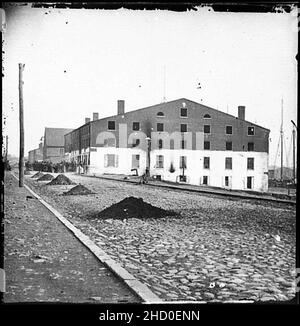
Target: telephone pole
{"x":6,"y":148}
{"x":294,"y":157}
{"x":21,"y":119}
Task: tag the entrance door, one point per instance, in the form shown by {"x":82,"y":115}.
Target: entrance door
{"x":249,"y":182}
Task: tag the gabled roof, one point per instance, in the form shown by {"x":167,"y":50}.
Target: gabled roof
{"x":179,"y":100}
{"x":55,"y":136}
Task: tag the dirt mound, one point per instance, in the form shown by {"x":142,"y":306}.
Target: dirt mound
{"x":38,"y":175}
{"x":132,"y":207}
{"x":78,"y":190}
{"x":61,"y":179}
{"x":45,"y":177}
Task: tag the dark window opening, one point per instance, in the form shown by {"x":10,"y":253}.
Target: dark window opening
{"x":183,"y":112}
{"x":226,"y":181}
{"x":229,"y":146}
{"x":160,"y":144}
{"x":135,"y":142}
{"x":207,"y":116}
{"x":207,"y":129}
{"x":205,"y":180}
{"x":160,"y":127}
{"x":160,"y":114}
{"x":183,"y":127}
{"x":249,"y":182}
{"x":250,"y":147}
{"x":228,"y":130}
{"x":206,"y":163}
{"x":250,"y":131}
{"x":207,"y":145}
{"x":111,"y":125}
{"x":136,"y":126}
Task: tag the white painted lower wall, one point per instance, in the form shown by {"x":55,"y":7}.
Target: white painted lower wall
{"x":194,"y":171}
{"x":97,"y":162}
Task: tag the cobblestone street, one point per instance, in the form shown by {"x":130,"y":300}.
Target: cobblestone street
{"x":218,"y":249}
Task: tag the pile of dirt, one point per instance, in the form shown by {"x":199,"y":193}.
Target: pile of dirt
{"x":45,"y":177}
{"x":132,"y":207}
{"x":78,"y":190}
{"x":38,"y":175}
{"x":61,"y":179}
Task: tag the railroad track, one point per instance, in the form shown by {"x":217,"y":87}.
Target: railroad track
{"x":203,"y":191}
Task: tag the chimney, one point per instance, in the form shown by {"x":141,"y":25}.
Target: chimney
{"x":87,"y":120}
{"x":241,"y":112}
{"x":121,"y":106}
{"x":95,"y":116}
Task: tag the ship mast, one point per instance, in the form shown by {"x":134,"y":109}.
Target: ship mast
{"x":281,"y":142}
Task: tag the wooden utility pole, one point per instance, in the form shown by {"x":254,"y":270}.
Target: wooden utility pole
{"x":6,"y":148}
{"x":21,"y":119}
{"x":294,"y":157}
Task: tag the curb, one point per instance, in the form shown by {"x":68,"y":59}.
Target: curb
{"x":140,"y":289}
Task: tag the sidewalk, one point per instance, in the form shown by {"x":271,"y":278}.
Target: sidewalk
{"x":44,"y":262}
{"x":273,"y":197}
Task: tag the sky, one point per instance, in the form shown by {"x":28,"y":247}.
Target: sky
{"x":80,"y":61}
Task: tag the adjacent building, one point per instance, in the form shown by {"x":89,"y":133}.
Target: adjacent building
{"x":36,"y":155}
{"x":179,"y":141}
{"x":54,"y":149}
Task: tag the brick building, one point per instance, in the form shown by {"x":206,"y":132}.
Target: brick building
{"x":54,"y":150}
{"x":180,"y":141}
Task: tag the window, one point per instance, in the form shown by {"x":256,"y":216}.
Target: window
{"x":229,"y":146}
{"x":250,"y":131}
{"x":111,"y":125}
{"x":160,"y":127}
{"x":206,"y":162}
{"x":135,"y":126}
{"x":249,"y":182}
{"x":183,"y":127}
{"x":228,"y":163}
{"x":110,"y":160}
{"x":250,"y":163}
{"x":135,"y":142}
{"x":135,"y":161}
{"x":207,"y":129}
{"x":226,"y":181}
{"x":160,"y":114}
{"x":183,"y":144}
{"x":206,"y":116}
{"x":205,"y":180}
{"x":110,"y":142}
{"x":172,"y":144}
{"x":182,"y":162}
{"x":250,"y":147}
{"x":228,"y":130}
{"x":183,"y":112}
{"x":61,"y":151}
{"x":207,"y":145}
{"x":160,"y":144}
{"x":159,"y":161}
